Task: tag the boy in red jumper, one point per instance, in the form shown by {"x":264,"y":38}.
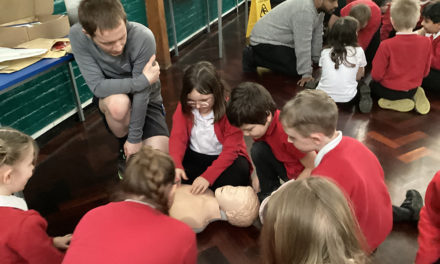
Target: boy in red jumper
{"x":429,"y":225}
{"x":309,"y":120}
{"x":402,"y":62}
{"x":252,"y":109}
{"x":431,"y":27}
{"x":369,"y":15}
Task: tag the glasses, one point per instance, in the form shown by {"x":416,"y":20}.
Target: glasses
{"x":201,"y":103}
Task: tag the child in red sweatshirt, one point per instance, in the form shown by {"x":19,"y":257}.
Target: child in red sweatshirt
{"x":401,"y":63}
{"x":431,"y":28}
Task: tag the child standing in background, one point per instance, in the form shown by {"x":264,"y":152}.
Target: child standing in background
{"x":309,"y":221}
{"x":137,"y":229}
{"x":343,"y":63}
{"x":402,"y":62}
{"x":431,"y":27}
{"x":207,"y":150}
{"x":23,"y":232}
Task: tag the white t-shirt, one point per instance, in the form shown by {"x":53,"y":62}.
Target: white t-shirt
{"x":341,"y":84}
{"x":203,"y":139}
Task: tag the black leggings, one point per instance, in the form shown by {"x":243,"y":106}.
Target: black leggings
{"x":380,"y":91}
{"x":237,"y":174}
{"x":269,"y":169}
{"x":432,"y":81}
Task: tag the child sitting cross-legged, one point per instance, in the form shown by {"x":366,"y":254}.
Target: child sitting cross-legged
{"x":252,"y":109}
{"x":401,"y":63}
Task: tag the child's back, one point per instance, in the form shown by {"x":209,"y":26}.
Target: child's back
{"x":402,"y":62}
{"x":341,"y":83}
{"x":143,"y":234}
{"x":358,"y":172}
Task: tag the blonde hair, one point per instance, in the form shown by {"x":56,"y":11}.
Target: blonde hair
{"x":13,"y":146}
{"x":311,"y":111}
{"x":149,"y":173}
{"x":405,"y":14}
{"x":310,"y":221}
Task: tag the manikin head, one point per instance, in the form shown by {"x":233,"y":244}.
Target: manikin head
{"x":239,"y":204}
{"x":104,"y":21}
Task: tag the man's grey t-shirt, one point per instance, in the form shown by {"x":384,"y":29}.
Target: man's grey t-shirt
{"x":107,"y":75}
{"x":295,"y":24}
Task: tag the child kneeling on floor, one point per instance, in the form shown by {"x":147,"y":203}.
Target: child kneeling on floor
{"x":401,"y":62}
{"x":136,"y":229}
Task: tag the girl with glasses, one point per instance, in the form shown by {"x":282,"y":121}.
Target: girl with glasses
{"x":206,"y":149}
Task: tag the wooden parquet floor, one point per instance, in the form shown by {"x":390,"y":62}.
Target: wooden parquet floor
{"x":77,"y":163}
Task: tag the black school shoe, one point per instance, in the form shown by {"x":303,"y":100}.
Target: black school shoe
{"x":413,"y":202}
{"x":409,"y":211}
{"x":365,"y":101}
{"x":248,"y":63}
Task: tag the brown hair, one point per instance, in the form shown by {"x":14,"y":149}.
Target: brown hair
{"x":310,"y":221}
{"x":149,"y":173}
{"x":100,"y":15}
{"x":341,"y":35}
{"x":250,"y":103}
{"x":311,"y":111}
{"x":362,"y":13}
{"x":13,"y":146}
{"x":203,"y":77}
{"x":404,"y":14}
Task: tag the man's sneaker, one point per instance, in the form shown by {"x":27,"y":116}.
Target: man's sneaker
{"x":365,"y":101}
{"x":413,"y":202}
{"x":421,"y":102}
{"x":402,"y":105}
{"x":121,"y":163}
{"x":248,"y":63}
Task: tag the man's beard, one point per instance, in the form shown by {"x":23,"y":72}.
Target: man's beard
{"x":329,"y":12}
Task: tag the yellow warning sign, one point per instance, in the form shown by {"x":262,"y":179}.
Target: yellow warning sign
{"x":258,"y":9}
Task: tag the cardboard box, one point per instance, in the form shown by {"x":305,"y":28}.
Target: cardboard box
{"x":38,"y":13}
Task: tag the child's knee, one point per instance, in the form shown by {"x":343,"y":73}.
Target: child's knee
{"x":258,"y":150}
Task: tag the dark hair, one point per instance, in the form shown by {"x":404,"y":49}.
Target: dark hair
{"x":361,"y":12}
{"x":100,"y":15}
{"x":203,"y":77}
{"x":432,"y":12}
{"x":341,"y":35}
{"x":149,"y":173}
{"x":250,"y":103}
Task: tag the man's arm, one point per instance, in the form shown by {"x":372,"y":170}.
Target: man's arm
{"x":302,"y":25}
{"x":142,"y":60}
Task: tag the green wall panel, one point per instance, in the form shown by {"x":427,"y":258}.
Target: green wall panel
{"x":192,"y":15}
{"x":36,"y":104}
